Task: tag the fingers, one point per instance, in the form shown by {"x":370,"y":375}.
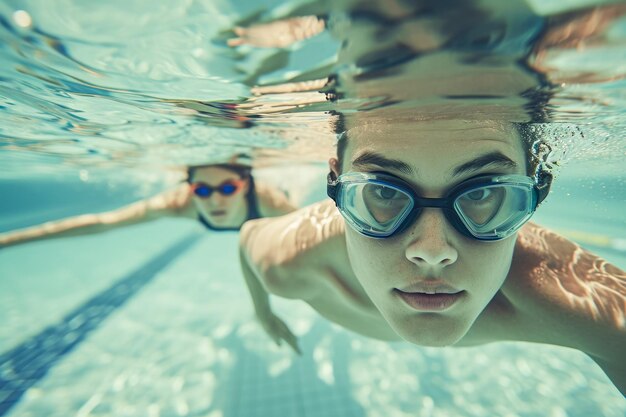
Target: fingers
{"x":274,"y":333}
{"x":291,"y":339}
{"x":278,"y":331}
{"x":294,"y":345}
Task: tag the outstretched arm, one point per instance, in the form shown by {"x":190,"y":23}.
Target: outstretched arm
{"x":272,"y":324}
{"x":174,"y":202}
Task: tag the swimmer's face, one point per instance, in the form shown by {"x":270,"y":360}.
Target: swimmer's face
{"x":221,"y":210}
{"x":430,"y":250}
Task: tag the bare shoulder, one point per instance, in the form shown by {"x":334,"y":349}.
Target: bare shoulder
{"x":571,"y":296}
{"x":272,"y":201}
{"x":291,"y":238}
{"x":294,"y":245}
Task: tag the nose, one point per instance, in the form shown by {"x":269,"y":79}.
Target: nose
{"x":429,"y":246}
{"x":217,"y":200}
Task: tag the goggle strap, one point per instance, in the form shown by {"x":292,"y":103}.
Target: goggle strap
{"x":331,"y":186}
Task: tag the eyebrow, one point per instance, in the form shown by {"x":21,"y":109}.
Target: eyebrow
{"x":487,"y":160}
{"x":373,"y":158}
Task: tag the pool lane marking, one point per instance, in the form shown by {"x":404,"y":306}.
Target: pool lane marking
{"x":24,"y":365}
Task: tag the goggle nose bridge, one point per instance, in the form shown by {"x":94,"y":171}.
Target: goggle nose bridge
{"x":423,"y":202}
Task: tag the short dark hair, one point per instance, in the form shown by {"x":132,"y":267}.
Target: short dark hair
{"x":244,"y":171}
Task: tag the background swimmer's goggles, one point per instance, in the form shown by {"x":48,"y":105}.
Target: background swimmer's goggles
{"x":489,"y":207}
{"x":226,"y":188}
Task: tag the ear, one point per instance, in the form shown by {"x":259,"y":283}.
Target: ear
{"x":335,"y":169}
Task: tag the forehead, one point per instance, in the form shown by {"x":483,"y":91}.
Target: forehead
{"x":213,"y":175}
{"x":434,"y":147}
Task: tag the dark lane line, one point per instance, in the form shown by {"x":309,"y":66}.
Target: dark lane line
{"x":24,"y":365}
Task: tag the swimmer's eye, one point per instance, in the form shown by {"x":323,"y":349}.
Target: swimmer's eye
{"x":479,"y":195}
{"x":383,"y":193}
{"x":387,"y":193}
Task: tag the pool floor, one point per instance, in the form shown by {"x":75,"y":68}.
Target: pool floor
{"x":182,"y":341}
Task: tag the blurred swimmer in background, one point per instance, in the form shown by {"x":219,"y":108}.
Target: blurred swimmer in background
{"x":220,"y":196}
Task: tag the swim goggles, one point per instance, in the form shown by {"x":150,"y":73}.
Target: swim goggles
{"x":227,"y":188}
{"x":488,"y":207}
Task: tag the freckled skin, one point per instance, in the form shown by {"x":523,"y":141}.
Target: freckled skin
{"x":532,"y":286}
{"x":432,"y":248}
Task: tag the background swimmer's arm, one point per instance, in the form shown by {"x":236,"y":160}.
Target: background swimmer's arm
{"x":272,"y":202}
{"x":174,"y":202}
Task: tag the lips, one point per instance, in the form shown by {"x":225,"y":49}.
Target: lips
{"x":217,"y":213}
{"x":430,"y":295}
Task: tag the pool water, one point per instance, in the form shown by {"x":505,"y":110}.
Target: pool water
{"x":102,"y":104}
{"x":181,"y":346}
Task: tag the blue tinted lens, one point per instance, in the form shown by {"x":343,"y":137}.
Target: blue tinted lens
{"x":227,"y":189}
{"x":203,"y":191}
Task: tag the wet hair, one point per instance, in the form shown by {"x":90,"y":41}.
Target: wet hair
{"x":244,"y":171}
{"x":535,"y":149}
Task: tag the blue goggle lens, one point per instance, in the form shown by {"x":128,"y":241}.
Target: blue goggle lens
{"x":227,"y":189}
{"x":203,"y":191}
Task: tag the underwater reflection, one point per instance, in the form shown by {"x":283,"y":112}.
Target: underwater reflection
{"x":576,"y":279}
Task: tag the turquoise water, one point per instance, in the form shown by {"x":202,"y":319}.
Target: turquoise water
{"x":101,"y":104}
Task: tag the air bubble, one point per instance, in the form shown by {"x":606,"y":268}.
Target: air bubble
{"x":22,"y":19}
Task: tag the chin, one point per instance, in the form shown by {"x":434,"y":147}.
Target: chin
{"x":439,"y":336}
{"x":444,"y":341}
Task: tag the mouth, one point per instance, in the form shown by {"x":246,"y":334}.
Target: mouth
{"x":435,"y":296}
{"x":218,"y":213}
